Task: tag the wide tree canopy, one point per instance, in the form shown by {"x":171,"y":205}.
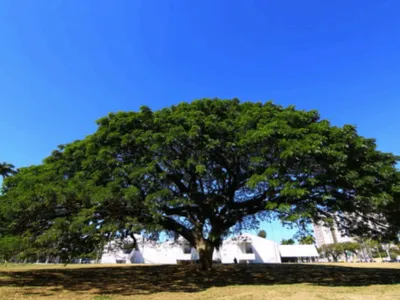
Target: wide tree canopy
{"x":201,"y":170}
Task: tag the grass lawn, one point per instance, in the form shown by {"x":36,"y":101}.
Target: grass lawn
{"x":229,"y":282}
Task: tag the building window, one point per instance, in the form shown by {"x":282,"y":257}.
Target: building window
{"x":187,"y":249}
{"x":248,"y":249}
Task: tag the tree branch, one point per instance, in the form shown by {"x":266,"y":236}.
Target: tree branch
{"x":175,"y":178}
{"x":170,"y":224}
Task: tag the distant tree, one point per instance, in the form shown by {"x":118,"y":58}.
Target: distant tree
{"x":376,"y":249}
{"x":287,"y":242}
{"x":351,"y":247}
{"x":262,"y":234}
{"x":202,"y":170}
{"x":332,"y":250}
{"x":306,"y":240}
{"x":394,"y":253}
{"x":8,"y":245}
{"x":6,"y":169}
{"x":57,"y":222}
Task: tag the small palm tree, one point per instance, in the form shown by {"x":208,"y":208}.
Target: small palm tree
{"x":6,"y":169}
{"x":262,"y":234}
{"x":306,"y":240}
{"x":287,"y":242}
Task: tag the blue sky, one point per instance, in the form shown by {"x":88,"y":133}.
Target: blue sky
{"x":64,"y":64}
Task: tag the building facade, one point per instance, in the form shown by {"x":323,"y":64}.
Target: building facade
{"x":325,"y":234}
{"x":245,"y":248}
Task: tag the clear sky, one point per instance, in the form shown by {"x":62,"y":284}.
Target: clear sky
{"x":64,"y":64}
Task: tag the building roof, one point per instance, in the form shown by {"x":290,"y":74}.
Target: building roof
{"x":298,"y":251}
{"x":247,"y":238}
{"x":241,"y":238}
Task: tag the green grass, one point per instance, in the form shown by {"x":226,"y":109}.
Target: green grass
{"x":274,"y":281}
{"x":101,"y":297}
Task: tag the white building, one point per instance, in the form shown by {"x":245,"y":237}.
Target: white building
{"x":148,"y":252}
{"x":298,"y":253}
{"x":245,"y":248}
{"x":248,"y":248}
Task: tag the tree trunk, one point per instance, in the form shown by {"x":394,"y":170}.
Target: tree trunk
{"x":205,"y":251}
{"x":97,"y":256}
{"x":379,"y":253}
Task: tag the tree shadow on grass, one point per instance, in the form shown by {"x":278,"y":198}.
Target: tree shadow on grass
{"x":140,"y":280}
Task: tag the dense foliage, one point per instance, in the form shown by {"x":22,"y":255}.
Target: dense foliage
{"x":201,"y":170}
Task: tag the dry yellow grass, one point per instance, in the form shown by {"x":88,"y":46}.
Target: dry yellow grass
{"x":229,"y":282}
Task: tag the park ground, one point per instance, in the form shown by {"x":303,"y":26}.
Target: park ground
{"x":228,"y":282}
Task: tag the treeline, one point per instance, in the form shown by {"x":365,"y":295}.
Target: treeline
{"x":361,"y":251}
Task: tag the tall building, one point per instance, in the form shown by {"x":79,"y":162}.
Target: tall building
{"x":328,"y":235}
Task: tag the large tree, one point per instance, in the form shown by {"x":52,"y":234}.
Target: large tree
{"x":202,"y":170}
